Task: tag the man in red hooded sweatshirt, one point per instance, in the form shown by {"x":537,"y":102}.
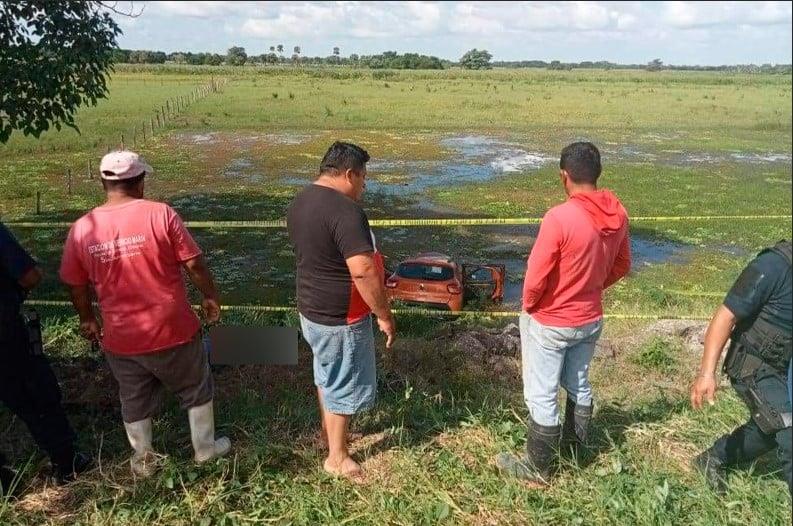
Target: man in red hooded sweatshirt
{"x":582,"y":248}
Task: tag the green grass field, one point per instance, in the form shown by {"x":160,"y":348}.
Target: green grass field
{"x":675,"y":144}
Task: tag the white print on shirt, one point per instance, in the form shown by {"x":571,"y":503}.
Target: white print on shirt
{"x":123,"y":247}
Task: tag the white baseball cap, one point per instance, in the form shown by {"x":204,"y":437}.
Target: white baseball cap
{"x":123,"y":164}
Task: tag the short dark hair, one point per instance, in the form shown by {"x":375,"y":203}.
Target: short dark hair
{"x":343,"y":156}
{"x":582,"y":161}
{"x":125,"y":185}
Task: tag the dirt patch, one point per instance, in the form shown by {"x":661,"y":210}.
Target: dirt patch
{"x":500,"y":348}
{"x":51,"y":501}
{"x":689,"y":332}
{"x":483,"y":344}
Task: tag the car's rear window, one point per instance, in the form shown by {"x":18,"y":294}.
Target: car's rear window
{"x":425,"y":271}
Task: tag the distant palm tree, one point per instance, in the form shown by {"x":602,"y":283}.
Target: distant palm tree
{"x":281,"y":49}
{"x":336,"y":51}
{"x":272,"y":49}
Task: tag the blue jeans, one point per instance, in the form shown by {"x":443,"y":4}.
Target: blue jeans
{"x":344,"y":364}
{"x":554,"y":356}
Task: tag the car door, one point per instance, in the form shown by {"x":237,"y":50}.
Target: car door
{"x":484,"y":282}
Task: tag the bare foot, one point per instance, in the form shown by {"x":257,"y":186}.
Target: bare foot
{"x":347,"y":468}
{"x":321,"y":439}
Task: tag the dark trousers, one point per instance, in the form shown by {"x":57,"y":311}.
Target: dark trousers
{"x":748,"y":441}
{"x":28,"y":387}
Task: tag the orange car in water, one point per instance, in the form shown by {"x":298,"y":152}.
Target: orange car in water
{"x":435,"y":280}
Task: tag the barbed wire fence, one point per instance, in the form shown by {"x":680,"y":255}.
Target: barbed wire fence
{"x":140,"y":134}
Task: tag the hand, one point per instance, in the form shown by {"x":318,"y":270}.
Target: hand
{"x":704,"y":388}
{"x":211,"y":308}
{"x":90,"y":330}
{"x":388,"y":327}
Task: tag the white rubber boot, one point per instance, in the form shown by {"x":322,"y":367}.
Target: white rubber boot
{"x":144,"y":459}
{"x":202,"y":432}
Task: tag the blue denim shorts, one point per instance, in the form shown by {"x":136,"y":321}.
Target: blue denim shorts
{"x":344,"y":364}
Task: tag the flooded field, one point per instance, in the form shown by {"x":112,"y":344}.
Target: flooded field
{"x":252,"y":175}
{"x":462,"y":159}
{"x":258,"y":267}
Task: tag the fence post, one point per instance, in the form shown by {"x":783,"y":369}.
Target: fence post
{"x":90,"y":172}
{"x":38,"y":202}
{"x":69,"y":181}
{"x":162,"y":110}
{"x":122,"y":141}
{"x":167,"y":106}
{"x":152,"y":125}
{"x":134,"y":137}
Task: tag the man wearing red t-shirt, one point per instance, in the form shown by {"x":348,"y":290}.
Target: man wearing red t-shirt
{"x":132,"y":252}
{"x":581,"y":249}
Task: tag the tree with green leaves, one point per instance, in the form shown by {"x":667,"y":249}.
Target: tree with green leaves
{"x":54,"y":57}
{"x":655,"y":65}
{"x":236,"y":56}
{"x":476,"y":59}
{"x":213,"y":59}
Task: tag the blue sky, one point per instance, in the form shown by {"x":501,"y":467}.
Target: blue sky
{"x":705,"y":33}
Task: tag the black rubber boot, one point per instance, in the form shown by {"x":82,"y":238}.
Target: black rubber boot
{"x":68,"y":466}
{"x":575,"y":432}
{"x":713,"y":468}
{"x":539,"y":464}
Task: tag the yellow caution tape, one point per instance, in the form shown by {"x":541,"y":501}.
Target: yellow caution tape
{"x":426,"y":312}
{"x":482,"y":221}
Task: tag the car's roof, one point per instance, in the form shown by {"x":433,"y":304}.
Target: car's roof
{"x":429,"y":257}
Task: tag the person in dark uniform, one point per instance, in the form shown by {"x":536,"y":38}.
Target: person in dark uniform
{"x":756,"y":316}
{"x":28,"y":386}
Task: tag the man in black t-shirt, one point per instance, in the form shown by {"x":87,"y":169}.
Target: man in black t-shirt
{"x":756,"y":317}
{"x":340,"y":283}
{"x":28,"y":386}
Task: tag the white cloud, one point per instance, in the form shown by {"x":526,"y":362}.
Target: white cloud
{"x":731,"y":31}
{"x":195,"y":9}
{"x":525,"y":17}
{"x":358,"y":19}
{"x":686,"y":15}
{"x":427,"y":16}
{"x":626,"y":21}
{"x":365,"y":19}
{"x":295,"y":20}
